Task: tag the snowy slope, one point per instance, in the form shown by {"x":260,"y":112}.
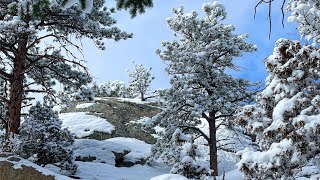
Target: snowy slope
{"x":100,"y":171}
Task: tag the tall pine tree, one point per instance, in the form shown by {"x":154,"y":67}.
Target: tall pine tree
{"x":197,"y":62}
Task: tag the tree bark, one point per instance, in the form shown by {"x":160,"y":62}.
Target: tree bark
{"x":16,"y":89}
{"x":142,"y":96}
{"x":213,"y":144}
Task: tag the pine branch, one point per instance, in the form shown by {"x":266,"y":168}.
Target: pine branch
{"x":197,"y":130}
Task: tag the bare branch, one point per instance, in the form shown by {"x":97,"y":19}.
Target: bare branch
{"x":206,"y":117}
{"x":227,"y":150}
{"x":35,"y":91}
{"x":4,"y":75}
{"x":269,"y":2}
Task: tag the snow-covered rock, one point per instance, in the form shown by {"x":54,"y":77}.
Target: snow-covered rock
{"x":82,"y":125}
{"x":99,"y":171}
{"x":139,"y":149}
{"x":169,"y":177}
{"x":84,"y":105}
{"x":99,"y":151}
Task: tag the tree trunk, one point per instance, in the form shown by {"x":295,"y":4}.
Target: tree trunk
{"x":15,"y":103}
{"x":16,"y":87}
{"x":16,"y":93}
{"x":142,"y":96}
{"x":213,"y":144}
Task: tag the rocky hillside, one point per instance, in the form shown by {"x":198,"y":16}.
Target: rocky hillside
{"x":121,"y":114}
{"x":108,"y":138}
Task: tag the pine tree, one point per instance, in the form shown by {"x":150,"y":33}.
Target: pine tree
{"x":26,"y":27}
{"x":134,"y":6}
{"x":307,"y":14}
{"x":43,"y":141}
{"x":140,"y":80}
{"x":197,"y":61}
{"x":112,"y":89}
{"x":83,"y":94}
{"x":285,"y":119}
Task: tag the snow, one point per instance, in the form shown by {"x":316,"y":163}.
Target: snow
{"x":84,"y":105}
{"x":136,"y":100}
{"x":169,"y":177}
{"x":23,"y":162}
{"x":264,"y":159}
{"x":133,"y":100}
{"x":88,"y":5}
{"x":81,"y":124}
{"x":231,"y":175}
{"x":285,"y":105}
{"x":307,"y":170}
{"x":101,"y":150}
{"x":58,"y":108}
{"x":139,"y":149}
{"x":99,"y":171}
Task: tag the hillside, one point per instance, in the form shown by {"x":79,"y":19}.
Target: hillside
{"x":108,"y":139}
{"x":121,"y":113}
{"x":121,"y":146}
{"x":110,"y":143}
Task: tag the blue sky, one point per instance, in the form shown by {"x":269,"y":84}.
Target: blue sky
{"x":150,"y":29}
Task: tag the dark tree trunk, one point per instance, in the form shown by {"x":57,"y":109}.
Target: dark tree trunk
{"x":16,"y":87}
{"x":142,"y":96}
{"x":16,"y":93}
{"x":213,"y":144}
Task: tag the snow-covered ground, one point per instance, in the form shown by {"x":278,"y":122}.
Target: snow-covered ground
{"x":100,"y":171}
{"x":84,"y":105}
{"x":81,"y":124}
{"x":139,"y":149}
{"x":102,"y":151}
{"x":169,"y":177}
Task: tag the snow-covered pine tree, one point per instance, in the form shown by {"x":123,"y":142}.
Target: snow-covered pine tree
{"x":85,"y":93}
{"x":197,"y":61}
{"x":188,"y":168}
{"x":26,"y":24}
{"x":42,"y":140}
{"x":307,"y":14}
{"x":286,"y":117}
{"x":140,"y":80}
{"x":112,"y":89}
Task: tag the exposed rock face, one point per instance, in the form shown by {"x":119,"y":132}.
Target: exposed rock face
{"x":141,"y":161}
{"x":119,"y":157}
{"x":8,"y":172}
{"x":85,"y":159}
{"x":120,"y":114}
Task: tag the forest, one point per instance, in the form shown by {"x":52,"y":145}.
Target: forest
{"x":64,"y":116}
